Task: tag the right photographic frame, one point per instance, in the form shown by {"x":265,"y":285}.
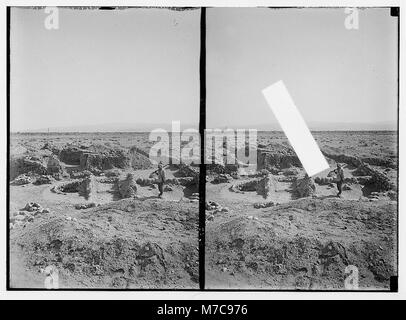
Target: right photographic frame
{"x":301,"y":149}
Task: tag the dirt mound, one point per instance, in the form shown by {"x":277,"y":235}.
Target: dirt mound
{"x":344,"y":158}
{"x":290,"y":172}
{"x":125,"y":244}
{"x":221,"y":178}
{"x":304,"y":244}
{"x":26,"y":164}
{"x":31,"y":211}
{"x":185,"y":170}
{"x":304,"y":187}
{"x":375,"y":181}
{"x":95,"y":157}
{"x":51,"y":147}
{"x":139,"y":159}
{"x":277,"y":156}
{"x":21,"y":180}
{"x":356,"y":161}
{"x":218,"y":168}
{"x":387,"y":163}
{"x":71,"y":155}
{"x":104,"y":159}
{"x":127,"y":187}
{"x":43,"y":179}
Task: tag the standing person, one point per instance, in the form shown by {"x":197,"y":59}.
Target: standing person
{"x":340,"y":178}
{"x":161,"y":179}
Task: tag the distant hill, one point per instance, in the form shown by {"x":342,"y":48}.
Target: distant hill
{"x":128,"y":127}
{"x":325,"y":126}
{"x":112,"y":127}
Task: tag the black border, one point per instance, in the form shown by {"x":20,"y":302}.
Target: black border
{"x":8,"y":11}
{"x":397,"y":10}
{"x":202,"y":65}
{"x":202,"y":174}
{"x":394,"y":11}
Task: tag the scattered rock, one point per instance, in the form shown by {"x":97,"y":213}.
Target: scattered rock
{"x":212,"y":205}
{"x":80,"y":174}
{"x":85,"y":206}
{"x":112,"y":173}
{"x":290,"y":172}
{"x":209,"y":217}
{"x":393,"y":195}
{"x":322,"y":181}
{"x":168,"y":189}
{"x":221,"y":178}
{"x":21,"y":180}
{"x":261,"y":205}
{"x":32,"y":206}
{"x":346,"y":187}
{"x":43,"y":179}
{"x":194,"y":196}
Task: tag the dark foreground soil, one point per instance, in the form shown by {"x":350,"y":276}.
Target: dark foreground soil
{"x":124,"y":244}
{"x":304,"y":244}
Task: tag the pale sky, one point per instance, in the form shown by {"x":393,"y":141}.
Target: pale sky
{"x":102,"y":67}
{"x":333,"y":74}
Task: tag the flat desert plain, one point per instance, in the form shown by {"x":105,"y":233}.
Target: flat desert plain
{"x":84,"y":209}
{"x":278,"y":229}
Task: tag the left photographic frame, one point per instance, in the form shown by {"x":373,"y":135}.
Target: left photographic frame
{"x":102,"y":102}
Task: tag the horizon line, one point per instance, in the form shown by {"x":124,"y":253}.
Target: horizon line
{"x":261,"y":130}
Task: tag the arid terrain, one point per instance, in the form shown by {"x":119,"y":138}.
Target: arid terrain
{"x":86,"y":205}
{"x":278,"y":229}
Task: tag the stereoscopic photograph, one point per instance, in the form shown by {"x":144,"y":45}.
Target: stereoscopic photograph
{"x":203,"y":148}
{"x":92,"y":94}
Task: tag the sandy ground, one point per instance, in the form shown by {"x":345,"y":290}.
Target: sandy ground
{"x":306,"y":243}
{"x":142,"y":241}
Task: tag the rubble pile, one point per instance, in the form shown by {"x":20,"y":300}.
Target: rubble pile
{"x":304,"y":187}
{"x":27,"y":214}
{"x":26,"y":164}
{"x":21,"y":180}
{"x":127,"y":187}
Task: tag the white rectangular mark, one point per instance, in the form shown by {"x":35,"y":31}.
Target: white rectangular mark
{"x":295,"y":128}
